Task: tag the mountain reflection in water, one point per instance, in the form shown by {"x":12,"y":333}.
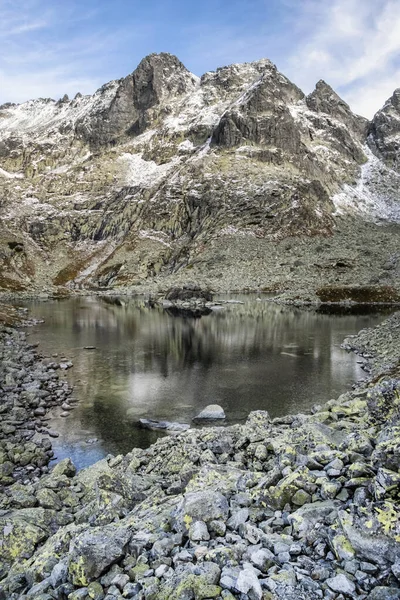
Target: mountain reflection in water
{"x":148,"y":363}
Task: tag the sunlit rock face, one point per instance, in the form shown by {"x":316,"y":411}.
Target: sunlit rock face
{"x":164,"y":177}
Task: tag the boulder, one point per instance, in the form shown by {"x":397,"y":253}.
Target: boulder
{"x":247,"y":583}
{"x":94,"y":550}
{"x":199,"y":506}
{"x":188,"y":292}
{"x":384,"y":593}
{"x":210,"y":412}
{"x":166,"y":426}
{"x":341,"y":584}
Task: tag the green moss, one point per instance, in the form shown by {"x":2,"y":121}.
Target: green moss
{"x":389,"y":516}
{"x":359,"y":294}
{"x":18,"y":539}
{"x":137,"y":572}
{"x":78,"y":571}
{"x":196,"y":584}
{"x":342,"y":548}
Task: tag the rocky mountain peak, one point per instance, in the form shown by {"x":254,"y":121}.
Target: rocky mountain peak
{"x":155,"y":171}
{"x":158,"y":80}
{"x":384,"y":132}
{"x":325,"y":100}
{"x":159,"y":76}
{"x":324,"y":97}
{"x":260,"y":115}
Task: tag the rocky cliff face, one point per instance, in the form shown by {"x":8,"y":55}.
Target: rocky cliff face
{"x":236,"y":178}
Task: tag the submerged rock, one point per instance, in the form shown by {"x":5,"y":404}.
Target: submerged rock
{"x":168,"y":426}
{"x":189,"y":293}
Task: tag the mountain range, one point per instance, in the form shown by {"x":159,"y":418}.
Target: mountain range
{"x":236,"y":180}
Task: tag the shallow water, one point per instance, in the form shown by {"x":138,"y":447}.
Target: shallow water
{"x":147,"y":363}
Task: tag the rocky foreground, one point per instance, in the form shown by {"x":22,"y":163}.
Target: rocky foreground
{"x":300,"y":507}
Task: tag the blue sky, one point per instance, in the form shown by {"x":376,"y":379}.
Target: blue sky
{"x":52,"y":47}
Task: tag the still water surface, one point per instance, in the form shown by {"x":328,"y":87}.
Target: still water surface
{"x":147,"y":363}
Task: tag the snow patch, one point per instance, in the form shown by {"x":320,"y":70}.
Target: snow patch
{"x":186,"y":146}
{"x":245,"y":96}
{"x":8,"y":175}
{"x":155,"y":236}
{"x":48,"y":118}
{"x":231,"y":230}
{"x":30,"y":207}
{"x":376,"y":195}
{"x":144,"y":173}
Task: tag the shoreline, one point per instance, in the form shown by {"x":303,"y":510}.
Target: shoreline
{"x":302,"y":506}
{"x":30,"y":387}
{"x":290,"y":298}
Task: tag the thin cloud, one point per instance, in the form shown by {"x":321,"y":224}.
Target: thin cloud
{"x":39,"y":61}
{"x":353,"y":44}
{"x":63,"y":47}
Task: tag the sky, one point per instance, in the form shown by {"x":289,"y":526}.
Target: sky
{"x":52,"y":47}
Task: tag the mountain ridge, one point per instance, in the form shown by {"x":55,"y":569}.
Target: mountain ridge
{"x":138,"y":184}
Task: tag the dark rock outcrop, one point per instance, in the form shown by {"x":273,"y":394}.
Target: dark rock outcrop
{"x":157,"y":79}
{"x":384,"y":132}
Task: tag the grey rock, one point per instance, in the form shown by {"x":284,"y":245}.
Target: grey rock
{"x":396,"y":569}
{"x":384,"y":593}
{"x":95,"y":591}
{"x":251,"y":533}
{"x":281,"y":547}
{"x":229,"y":578}
{"x":295,"y":549}
{"x":38,"y":589}
{"x":217,"y":527}
{"x":247,"y":583}
{"x":237,"y":518}
{"x":198,"y":532}
{"x":120,"y":581}
{"x":80,"y":594}
{"x":209,"y":571}
{"x":211,"y":412}
{"x":200,"y":506}
{"x":341,"y":583}
{"x":167,"y":426}
{"x":59,"y":574}
{"x":160,"y":571}
{"x":263,"y":559}
{"x":93,"y":551}
{"x":131,"y":590}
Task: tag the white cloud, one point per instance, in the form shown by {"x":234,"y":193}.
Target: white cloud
{"x":354,"y":45}
{"x":40,"y":59}
{"x":52,"y":48}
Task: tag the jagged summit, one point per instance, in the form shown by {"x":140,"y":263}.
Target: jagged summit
{"x":161,"y":171}
{"x":325,"y":100}
{"x":384,"y":132}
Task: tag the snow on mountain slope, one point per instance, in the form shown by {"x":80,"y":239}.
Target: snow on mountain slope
{"x":46,"y":117}
{"x":150,"y":172}
{"x":376,"y":196}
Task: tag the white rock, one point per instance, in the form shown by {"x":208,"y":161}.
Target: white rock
{"x":247,"y":583}
{"x":212,"y":411}
{"x":341,"y":584}
{"x":198,"y":532}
